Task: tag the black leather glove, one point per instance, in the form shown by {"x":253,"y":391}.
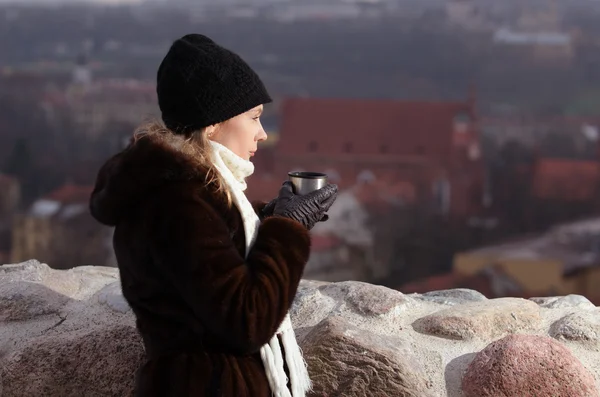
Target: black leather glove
{"x":307,"y":209}
{"x":267,"y":210}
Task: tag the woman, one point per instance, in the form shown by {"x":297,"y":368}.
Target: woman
{"x":209,"y":276}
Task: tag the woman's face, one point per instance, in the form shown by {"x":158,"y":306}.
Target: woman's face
{"x":241,"y":133}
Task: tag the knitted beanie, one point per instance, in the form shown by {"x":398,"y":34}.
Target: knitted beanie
{"x":199,"y":83}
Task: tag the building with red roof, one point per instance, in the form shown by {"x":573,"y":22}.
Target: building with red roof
{"x":570,"y":180}
{"x":433,"y":146}
{"x":59,"y":230}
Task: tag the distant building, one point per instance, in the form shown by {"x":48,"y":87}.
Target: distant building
{"x":10,"y":195}
{"x":565,"y":260}
{"x":466,"y":14}
{"x":432,"y":146}
{"x":82,"y":73}
{"x":10,"y":199}
{"x":508,"y":36}
{"x":59,"y":230}
{"x":548,"y":45}
{"x":332,"y":260}
{"x":566,"y":180}
{"x":530,"y":131}
{"x":96,"y":106}
{"x":391,"y":160}
{"x":350,"y":246}
{"x":492,"y":282}
{"x":544,"y":17}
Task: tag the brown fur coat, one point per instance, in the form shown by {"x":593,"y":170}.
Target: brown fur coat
{"x":202,"y":310}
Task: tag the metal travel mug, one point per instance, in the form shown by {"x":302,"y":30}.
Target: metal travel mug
{"x":306,"y":182}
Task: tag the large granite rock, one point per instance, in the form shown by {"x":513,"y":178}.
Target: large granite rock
{"x":100,"y":362}
{"x":345,"y":360}
{"x":70,"y":333}
{"x":527,"y":366}
{"x":482,"y":319}
{"x":580,"y":327}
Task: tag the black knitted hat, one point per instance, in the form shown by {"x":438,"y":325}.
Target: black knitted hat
{"x":200,"y":83}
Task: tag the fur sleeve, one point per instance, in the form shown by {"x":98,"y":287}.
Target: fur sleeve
{"x":258,"y":206}
{"x":241,"y":302}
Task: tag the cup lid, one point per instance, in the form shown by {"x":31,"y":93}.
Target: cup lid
{"x":307,"y":174}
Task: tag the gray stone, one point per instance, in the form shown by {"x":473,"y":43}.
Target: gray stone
{"x":23,"y":270}
{"x":579,"y":327}
{"x":112,"y":297}
{"x":71,"y":333}
{"x":367,"y":299}
{"x":481,"y":320}
{"x":92,"y":279}
{"x":311,"y":284}
{"x":452,"y":297}
{"x":346,"y":361}
{"x":93,"y":363}
{"x":310,"y":307}
{"x":20,"y":301}
{"x":561,"y":302}
{"x":77,"y":283}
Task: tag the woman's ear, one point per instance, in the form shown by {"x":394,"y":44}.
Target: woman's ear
{"x":211,"y":130}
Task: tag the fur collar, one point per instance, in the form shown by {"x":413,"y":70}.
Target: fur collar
{"x":150,"y":161}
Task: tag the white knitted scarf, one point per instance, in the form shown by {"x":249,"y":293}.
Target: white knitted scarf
{"x":234,"y":170}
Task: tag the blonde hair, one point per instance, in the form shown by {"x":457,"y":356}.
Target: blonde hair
{"x":196,"y":145}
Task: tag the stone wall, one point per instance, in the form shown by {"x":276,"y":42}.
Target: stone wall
{"x":69,"y":333}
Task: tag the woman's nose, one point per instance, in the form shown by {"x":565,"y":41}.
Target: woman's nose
{"x":262,"y":135}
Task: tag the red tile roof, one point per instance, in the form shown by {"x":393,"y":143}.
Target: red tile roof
{"x":565,"y":179}
{"x":369,"y":126}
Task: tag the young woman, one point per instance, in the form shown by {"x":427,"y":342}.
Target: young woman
{"x":209,"y":276}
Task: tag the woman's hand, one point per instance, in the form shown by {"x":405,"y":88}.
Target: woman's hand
{"x":307,"y":209}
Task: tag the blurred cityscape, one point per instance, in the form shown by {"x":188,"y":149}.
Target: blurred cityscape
{"x":464,"y":134}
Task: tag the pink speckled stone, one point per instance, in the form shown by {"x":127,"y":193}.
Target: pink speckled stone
{"x":527,"y":366}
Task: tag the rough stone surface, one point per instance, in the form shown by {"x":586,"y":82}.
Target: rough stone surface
{"x":21,"y":301}
{"x":71,"y":333}
{"x":561,"y":302}
{"x":311,"y":306}
{"x":97,"y":363}
{"x":112,"y":297}
{"x":580,"y":327}
{"x":527,"y":366}
{"x":453,"y":297}
{"x":367,"y":299}
{"x":482,"y":319}
{"x":347,"y":361}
